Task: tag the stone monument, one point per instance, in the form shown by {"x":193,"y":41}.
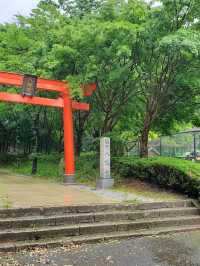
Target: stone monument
{"x":105,"y":180}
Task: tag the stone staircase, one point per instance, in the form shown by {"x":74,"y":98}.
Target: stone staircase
{"x":57,"y":226}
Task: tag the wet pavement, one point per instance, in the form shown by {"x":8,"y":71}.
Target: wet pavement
{"x":25,"y":191}
{"x":16,"y":189}
{"x":172,"y":250}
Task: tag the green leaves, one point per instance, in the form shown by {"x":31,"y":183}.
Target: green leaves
{"x":144,"y":60}
{"x":186,"y":41}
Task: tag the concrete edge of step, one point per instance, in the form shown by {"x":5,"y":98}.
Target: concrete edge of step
{"x":75,"y":228}
{"x":30,"y":222}
{"x":98,"y":213}
{"x":40,"y":210}
{"x":90,"y":239}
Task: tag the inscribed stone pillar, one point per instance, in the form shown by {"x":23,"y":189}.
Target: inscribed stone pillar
{"x":105,"y":180}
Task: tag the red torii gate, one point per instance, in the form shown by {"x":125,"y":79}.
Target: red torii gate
{"x":64,"y":101}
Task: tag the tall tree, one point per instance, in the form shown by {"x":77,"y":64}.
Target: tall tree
{"x":167,"y":50}
{"x":144,"y":60}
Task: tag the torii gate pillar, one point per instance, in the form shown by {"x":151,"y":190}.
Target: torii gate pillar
{"x":69,"y":176}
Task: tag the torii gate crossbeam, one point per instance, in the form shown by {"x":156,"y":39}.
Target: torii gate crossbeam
{"x":64,"y":101}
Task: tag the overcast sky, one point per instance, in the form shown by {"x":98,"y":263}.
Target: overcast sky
{"x":9,"y":8}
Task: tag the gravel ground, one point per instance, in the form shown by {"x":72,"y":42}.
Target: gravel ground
{"x":171,"y":250}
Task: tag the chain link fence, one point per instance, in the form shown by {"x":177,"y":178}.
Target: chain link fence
{"x":182,"y":145}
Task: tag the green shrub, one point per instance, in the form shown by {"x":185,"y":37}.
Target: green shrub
{"x":177,"y":174}
{"x":51,"y":166}
{"x":7,"y":158}
{"x":87,"y":167}
{"x":48,"y":165}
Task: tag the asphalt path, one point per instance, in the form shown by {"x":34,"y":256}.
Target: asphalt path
{"x":171,"y":250}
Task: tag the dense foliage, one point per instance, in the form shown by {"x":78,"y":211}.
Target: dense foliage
{"x":177,"y":174}
{"x":143,"y":57}
{"x":51,"y":166}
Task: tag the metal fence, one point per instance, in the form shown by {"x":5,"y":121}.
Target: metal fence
{"x":184,"y":145}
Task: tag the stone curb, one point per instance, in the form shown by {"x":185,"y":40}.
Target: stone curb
{"x":45,"y":211}
{"x":81,"y":218}
{"x":16,"y":247}
{"x":96,"y":228}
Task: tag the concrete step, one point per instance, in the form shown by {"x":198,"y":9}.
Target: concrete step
{"x":79,"y":218}
{"x":60,"y":210}
{"x":68,"y":241}
{"x":95,"y":228}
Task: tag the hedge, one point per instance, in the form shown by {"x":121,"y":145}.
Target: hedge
{"x":173,"y":173}
{"x":6,"y":158}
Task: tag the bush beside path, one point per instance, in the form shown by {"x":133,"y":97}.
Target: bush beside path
{"x":177,"y":174}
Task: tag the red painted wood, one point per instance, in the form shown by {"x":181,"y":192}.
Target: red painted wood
{"x":17,"y":98}
{"x":68,"y":137}
{"x":13,"y":79}
{"x":80,"y":106}
{"x":89,"y":89}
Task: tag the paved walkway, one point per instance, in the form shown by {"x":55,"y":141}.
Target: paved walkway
{"x":172,"y":250}
{"x":25,"y":191}
{"x":22,"y":191}
{"x":137,"y":196}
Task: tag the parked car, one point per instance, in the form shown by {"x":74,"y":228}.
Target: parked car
{"x":192,"y":156}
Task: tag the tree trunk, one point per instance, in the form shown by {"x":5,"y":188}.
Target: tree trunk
{"x":34,"y":166}
{"x":145,"y":136}
{"x":36,"y":144}
{"x":78,"y":143}
{"x":81,"y":119}
{"x":144,"y":143}
{"x":151,"y":112}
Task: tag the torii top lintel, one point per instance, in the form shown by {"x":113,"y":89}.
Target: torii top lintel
{"x":15,"y":79}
